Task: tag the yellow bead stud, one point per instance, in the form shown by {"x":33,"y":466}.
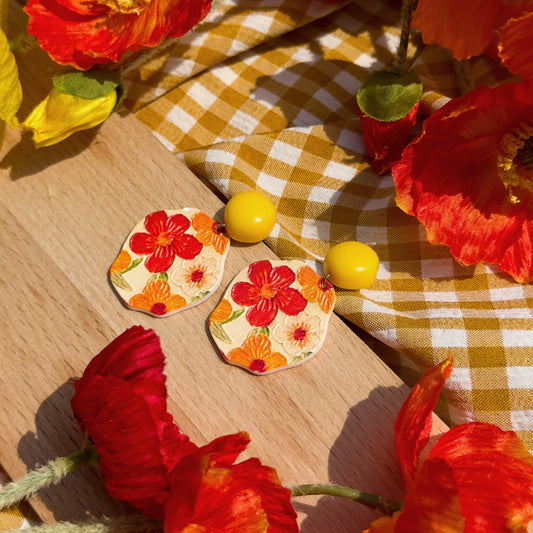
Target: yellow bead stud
{"x":351,"y":265}
{"x":249,"y":216}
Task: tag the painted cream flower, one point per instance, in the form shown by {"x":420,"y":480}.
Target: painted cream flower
{"x":196,"y":276}
{"x":299,"y":333}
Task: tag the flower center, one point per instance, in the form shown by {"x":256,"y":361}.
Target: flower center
{"x":258,"y":365}
{"x":197,"y":275}
{"x":125,"y":6}
{"x":299,"y":334}
{"x":515,"y":160}
{"x":158,"y":308}
{"x":164,"y":239}
{"x":267,"y":292}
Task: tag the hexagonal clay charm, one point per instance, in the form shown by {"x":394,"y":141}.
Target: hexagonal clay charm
{"x":171,"y":260}
{"x":274,"y":315}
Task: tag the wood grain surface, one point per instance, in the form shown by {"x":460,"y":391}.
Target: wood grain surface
{"x":64,"y":212}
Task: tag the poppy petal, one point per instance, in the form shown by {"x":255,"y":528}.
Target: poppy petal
{"x":281,"y":277}
{"x":515,"y":48}
{"x":414,"y":421}
{"x":259,"y":272}
{"x":186,"y":246}
{"x":433,"y":503}
{"x":210,"y":493}
{"x":244,"y":293}
{"x":160,"y":260}
{"x":466,"y":35}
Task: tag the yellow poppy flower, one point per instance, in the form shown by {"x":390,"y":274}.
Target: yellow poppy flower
{"x":60,"y":115}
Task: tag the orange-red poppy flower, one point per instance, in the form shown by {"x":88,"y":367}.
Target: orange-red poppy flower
{"x":210,"y":493}
{"x":476,"y":478}
{"x":466,"y":28}
{"x":468,"y":178}
{"x":85,"y":34}
{"x":256,"y":354}
{"x":267,"y":293}
{"x":208,"y":232}
{"x":157,"y":299}
{"x":165,"y":240}
{"x":121,"y":402}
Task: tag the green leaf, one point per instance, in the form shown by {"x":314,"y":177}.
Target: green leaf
{"x":233,"y":316}
{"x":218,"y":331}
{"x":387,"y":96}
{"x":263,"y":330}
{"x":134,"y":263}
{"x":118,"y":280}
{"x":155,"y":277}
{"x":90,"y":85}
{"x":199,"y":296}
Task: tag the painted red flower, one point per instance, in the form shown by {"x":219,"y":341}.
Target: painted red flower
{"x":476,"y":478}
{"x":120,"y":401}
{"x":468,"y":178}
{"x":166,"y":239}
{"x":212,"y":494}
{"x":85,"y":34}
{"x":267,"y":293}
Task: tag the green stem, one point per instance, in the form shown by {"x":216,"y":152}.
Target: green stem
{"x":123,"y":524}
{"x":46,"y":475}
{"x":375,"y":501}
{"x":408,"y":6}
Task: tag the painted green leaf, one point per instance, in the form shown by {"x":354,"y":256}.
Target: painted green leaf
{"x":233,"y":316}
{"x":90,"y":85}
{"x":134,"y":263}
{"x":218,"y":331}
{"x":387,"y":96}
{"x":118,"y":280}
{"x":160,"y":275}
{"x":263,"y":330}
{"x":199,"y":296}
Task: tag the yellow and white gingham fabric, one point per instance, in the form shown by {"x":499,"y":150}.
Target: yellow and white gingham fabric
{"x":262,"y":96}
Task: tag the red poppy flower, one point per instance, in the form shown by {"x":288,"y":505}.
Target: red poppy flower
{"x":166,"y":239}
{"x":91,"y":33}
{"x":466,"y":28}
{"x":468,"y":178}
{"x":476,"y":477}
{"x":268,"y":293}
{"x":121,"y":402}
{"x":212,"y":494}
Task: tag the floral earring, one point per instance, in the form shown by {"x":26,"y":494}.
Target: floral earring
{"x":174,"y":259}
{"x":275,"y":314}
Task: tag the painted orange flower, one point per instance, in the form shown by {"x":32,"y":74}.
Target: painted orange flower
{"x":475,"y":478}
{"x":210,"y":493}
{"x":157,"y":299}
{"x":468,"y":28}
{"x":85,"y":34}
{"x":268,"y":292}
{"x":164,"y":240}
{"x":256,"y":354}
{"x":207,"y":232}
{"x":221,"y":312}
{"x":315,"y":288}
{"x":122,"y":262}
{"x":468,"y":178}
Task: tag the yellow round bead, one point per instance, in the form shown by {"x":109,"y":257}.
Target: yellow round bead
{"x":249,"y":216}
{"x":351,"y":265}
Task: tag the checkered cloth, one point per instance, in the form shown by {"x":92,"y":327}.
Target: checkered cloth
{"x":261,"y":96}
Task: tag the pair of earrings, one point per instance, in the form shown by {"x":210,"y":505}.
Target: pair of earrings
{"x":273,"y":315}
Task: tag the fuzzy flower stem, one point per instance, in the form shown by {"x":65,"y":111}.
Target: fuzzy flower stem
{"x":46,"y":475}
{"x":408,"y":6}
{"x":375,"y":501}
{"x":124,"y":524}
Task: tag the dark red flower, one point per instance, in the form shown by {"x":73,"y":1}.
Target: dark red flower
{"x":120,"y":401}
{"x":166,"y":239}
{"x":94,"y":32}
{"x":268,"y":293}
{"x":211,"y":494}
